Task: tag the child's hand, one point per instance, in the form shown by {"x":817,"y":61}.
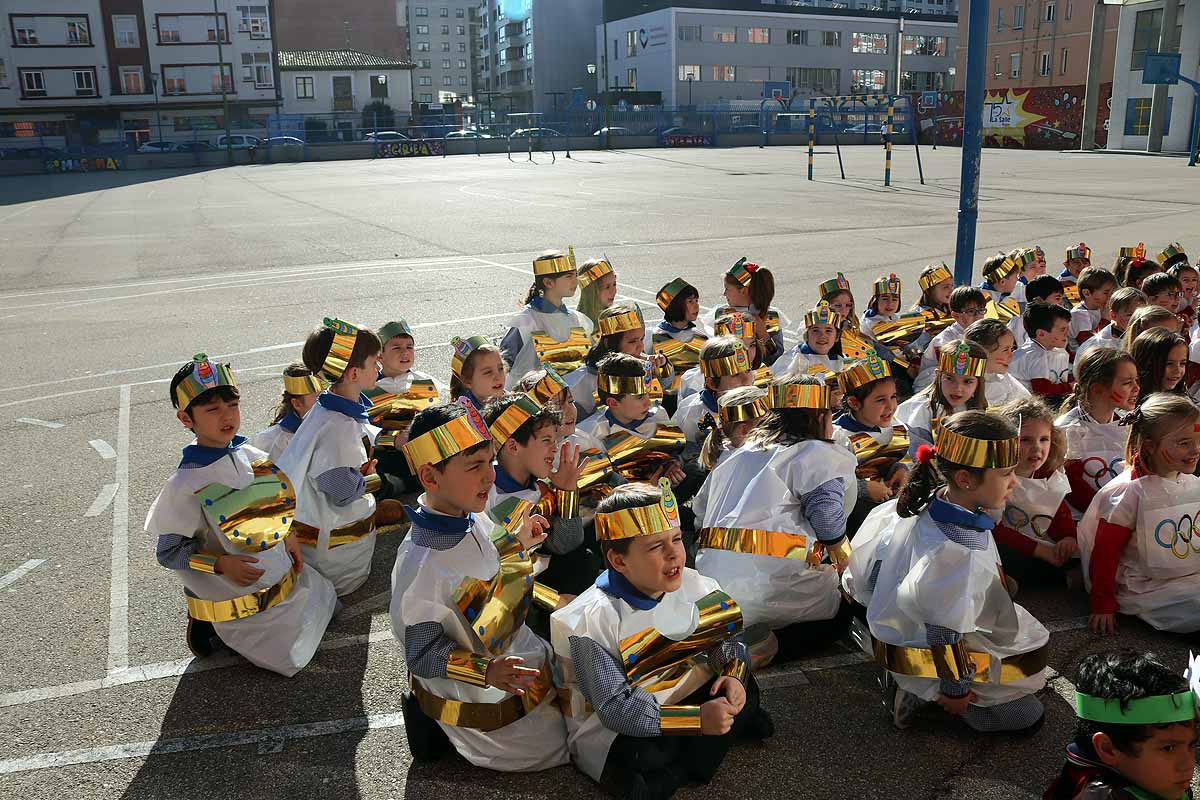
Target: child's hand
{"x":733,"y":690}
{"x":956,"y":706}
{"x":533,"y":532}
{"x":369,"y":467}
{"x":238,"y":569}
{"x":897,"y":480}
{"x":566,"y":477}
{"x":878,"y":492}
{"x":716,"y":717}
{"x":675,"y":474}
{"x":1047,"y":553}
{"x":507,"y":673}
{"x":658,"y":360}
{"x":1103,"y":624}
{"x":292,"y":546}
{"x":1067,"y":549}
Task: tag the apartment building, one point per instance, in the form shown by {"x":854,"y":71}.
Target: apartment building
{"x":442,"y":39}
{"x":86,"y":72}
{"x":367,"y":26}
{"x":1039,"y":43}
{"x":703,"y":53}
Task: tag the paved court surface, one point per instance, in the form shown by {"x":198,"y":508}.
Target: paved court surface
{"x":110,"y":281}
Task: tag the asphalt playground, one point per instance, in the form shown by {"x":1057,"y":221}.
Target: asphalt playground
{"x":110,"y":281}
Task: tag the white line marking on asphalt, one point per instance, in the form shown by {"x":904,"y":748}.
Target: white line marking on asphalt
{"x":18,"y":213}
{"x":20,"y":572}
{"x":365,"y":606}
{"x":269,"y":740}
{"x":118,"y":597}
{"x":103,"y":448}
{"x":103,"y":499}
{"x":41,"y":422}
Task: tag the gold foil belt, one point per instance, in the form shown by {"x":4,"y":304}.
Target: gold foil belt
{"x":563,"y":356}
{"x":756,"y":542}
{"x":636,"y":458}
{"x":656,"y":662}
{"x":939,"y":662}
{"x":874,"y":457}
{"x":682,"y":355}
{"x":307,"y":534}
{"x":241,"y":607}
{"x":257,"y":516}
{"x":495,"y":609}
{"x":392,"y":411}
{"x":484,"y":716}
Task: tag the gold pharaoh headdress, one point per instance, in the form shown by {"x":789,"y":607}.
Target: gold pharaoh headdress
{"x":823,"y":314}
{"x":462,"y":350}
{"x":799,"y":395}
{"x":300,"y":385}
{"x":552,"y":265}
{"x":743,"y":412}
{"x":668,"y":293}
{"x":453,"y":437}
{"x":205,"y":375}
{"x":889,"y":285}
{"x":642,"y":520}
{"x":932,"y":279}
{"x":512,"y":418}
{"x":340,"y":349}
{"x":864,"y":371}
{"x":621,"y":323}
{"x":720,"y":366}
{"x":959,"y":361}
{"x":966,"y":451}
{"x":735,"y":325}
{"x":837,"y":284}
{"x":1080,"y":250}
{"x":548,"y":387}
{"x":594,"y":273}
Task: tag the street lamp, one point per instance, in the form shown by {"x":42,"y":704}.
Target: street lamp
{"x":691,"y":78}
{"x":157,"y":114}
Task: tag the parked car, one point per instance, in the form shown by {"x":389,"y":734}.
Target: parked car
{"x":525,"y":133}
{"x":613,"y":131}
{"x":745,"y":128}
{"x":386,"y":136}
{"x":238,"y":141}
{"x":156,"y":147}
{"x":468,"y":135}
{"x":42,"y":153}
{"x":283,"y":141}
{"x":193,"y":147}
{"x":680,"y":131}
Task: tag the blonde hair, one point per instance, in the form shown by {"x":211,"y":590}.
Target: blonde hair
{"x":1027,"y":408}
{"x":1144,"y":319}
{"x":1157,"y":416}
{"x":589,"y":302}
{"x":714,"y":443}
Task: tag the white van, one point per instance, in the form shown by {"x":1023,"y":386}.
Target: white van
{"x":238,"y":141}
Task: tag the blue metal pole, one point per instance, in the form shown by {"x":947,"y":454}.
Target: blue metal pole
{"x":972,"y":145}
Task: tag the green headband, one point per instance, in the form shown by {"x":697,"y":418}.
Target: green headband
{"x":1156,"y":710}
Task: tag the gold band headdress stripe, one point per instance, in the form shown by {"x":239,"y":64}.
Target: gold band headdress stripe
{"x":621,"y":384}
{"x":552,"y":265}
{"x":642,"y":520}
{"x":453,"y":437}
{"x":823,"y":314}
{"x":462,"y":350}
{"x":743,"y":271}
{"x":340,"y":349}
{"x":799,"y":395}
{"x":966,"y":451}
{"x":864,"y":371}
{"x":838,"y":284}
{"x":668,"y":293}
{"x":744,"y":412}
{"x":393,"y":329}
{"x":1172,"y":251}
{"x":1010,"y":264}
{"x":301,"y":385}
{"x":548,"y":387}
{"x":1133,"y":252}
{"x":205,"y":375}
{"x":512,"y":418}
{"x":721,"y":366}
{"x":621,"y":323}
{"x":594,"y":272}
{"x":1079,"y":251}
{"x":889,"y":285}
{"x":932,"y":279}
{"x":959,"y":361}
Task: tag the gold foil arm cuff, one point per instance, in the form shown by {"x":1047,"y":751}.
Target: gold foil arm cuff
{"x":963,"y":664}
{"x":545,"y":597}
{"x":839,"y":553}
{"x":203,"y":562}
{"x":955,"y":663}
{"x":679,"y":720}
{"x":466,"y":667}
{"x":372,"y":483}
{"x":567,"y":501}
{"x":737,"y":669}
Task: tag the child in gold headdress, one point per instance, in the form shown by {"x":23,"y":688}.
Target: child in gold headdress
{"x":926,"y":567}
{"x":300,"y":390}
{"x":750,"y":289}
{"x":645,"y":715}
{"x":545,"y":331}
{"x":223,"y":523}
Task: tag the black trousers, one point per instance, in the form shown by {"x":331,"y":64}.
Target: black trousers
{"x":1031,"y":570}
{"x":570,"y":573}
{"x":802,"y":638}
{"x":669,"y":762}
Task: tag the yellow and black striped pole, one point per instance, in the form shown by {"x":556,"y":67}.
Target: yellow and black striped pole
{"x":812,"y":129}
{"x":887,"y":143}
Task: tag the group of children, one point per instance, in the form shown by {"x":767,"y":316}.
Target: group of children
{"x":612,"y":524}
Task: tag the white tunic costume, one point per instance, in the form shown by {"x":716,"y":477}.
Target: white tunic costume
{"x":917,"y":415}
{"x":1042,"y":371}
{"x":801,"y":357}
{"x":329,"y":439}
{"x":559,"y":338}
{"x":274,"y":440}
{"x":1000,"y":387}
{"x":1105,"y":337}
{"x":760,"y":489}
{"x":1032,"y":505}
{"x":1095,"y":453}
{"x":282,"y":638}
{"x":689,"y":413}
{"x":1158,"y":576}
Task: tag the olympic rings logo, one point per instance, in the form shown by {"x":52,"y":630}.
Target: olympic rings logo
{"x":1016,"y":518}
{"x":1060,"y":376}
{"x":1184,"y":535}
{"x":1100,"y":471}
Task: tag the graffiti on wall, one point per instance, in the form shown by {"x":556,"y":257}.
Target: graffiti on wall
{"x":99,"y":164}
{"x":422,"y":147}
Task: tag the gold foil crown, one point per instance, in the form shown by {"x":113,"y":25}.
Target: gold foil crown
{"x":860,"y":373}
{"x":743,"y":271}
{"x":932,"y":279}
{"x":641,"y":520}
{"x":799,"y":395}
{"x":668,"y":293}
{"x":205,"y":375}
{"x":1011,"y":264}
{"x":735,"y":325}
{"x":622,"y":384}
{"x":590,"y":274}
{"x":744,"y":412}
{"x":338,"y":358}
{"x":823,"y":314}
{"x":446,"y":440}
{"x":965,"y":451}
{"x":838,"y":284}
{"x":718,"y":367}
{"x":1080,"y":250}
{"x":1171,"y":251}
{"x":889,"y":285}
{"x":513,"y":417}
{"x":300,"y":385}
{"x":959,"y":361}
{"x":621,"y":323}
{"x":1133,"y":252}
{"x":548,"y":387}
{"x":552,"y":265}
{"x":462,"y":349}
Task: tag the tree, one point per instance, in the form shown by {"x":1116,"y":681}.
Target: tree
{"x":378,"y":115}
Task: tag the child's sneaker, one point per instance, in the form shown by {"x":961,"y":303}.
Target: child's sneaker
{"x":902,"y":705}
{"x":201,"y":637}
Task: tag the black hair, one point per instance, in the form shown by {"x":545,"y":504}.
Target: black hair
{"x":675,"y":309}
{"x":316,"y":349}
{"x":1095,"y":278}
{"x":1041,"y":287}
{"x":1160,"y":282}
{"x":622,"y":366}
{"x":546,"y":415}
{"x":1123,"y":675}
{"x":436,"y":416}
{"x":926,"y":477}
{"x":1042,"y":316}
{"x":788,"y":426}
{"x":629,"y":495}
{"x":993,"y":262}
{"x":293,"y":370}
{"x":1151,"y":351}
{"x":963,"y":296}
{"x":606,"y":345}
{"x":226,"y":393}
